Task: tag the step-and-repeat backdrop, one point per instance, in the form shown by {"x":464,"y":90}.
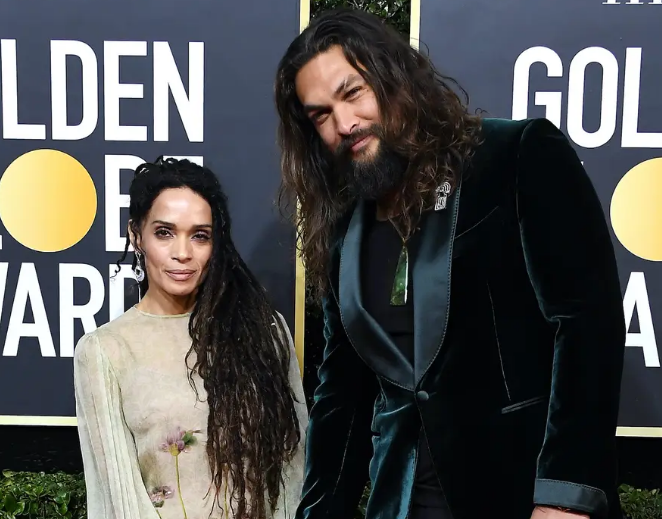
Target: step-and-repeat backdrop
{"x":594,"y":68}
{"x":89,"y":91}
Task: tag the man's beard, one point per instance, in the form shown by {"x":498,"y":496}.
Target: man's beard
{"x":373,"y":176}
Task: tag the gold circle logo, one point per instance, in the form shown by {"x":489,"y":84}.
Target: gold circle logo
{"x":636,"y":210}
{"x":48,"y":201}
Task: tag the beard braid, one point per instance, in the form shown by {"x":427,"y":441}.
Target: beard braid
{"x":369,"y":178}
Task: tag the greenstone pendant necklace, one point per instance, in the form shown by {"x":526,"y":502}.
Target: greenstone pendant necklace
{"x":399,"y":291}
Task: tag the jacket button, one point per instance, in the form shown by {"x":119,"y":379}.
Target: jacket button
{"x":423,"y":396}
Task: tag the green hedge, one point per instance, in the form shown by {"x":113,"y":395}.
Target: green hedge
{"x":395,"y":12}
{"x":27,"y":495}
{"x":44,"y":496}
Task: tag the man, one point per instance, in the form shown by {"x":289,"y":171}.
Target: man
{"x":473,"y":314}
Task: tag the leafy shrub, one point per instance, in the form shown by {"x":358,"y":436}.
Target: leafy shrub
{"x":641,"y":504}
{"x":394,"y":12}
{"x":28,"y":495}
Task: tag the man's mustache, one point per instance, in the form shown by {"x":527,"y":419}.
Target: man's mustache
{"x":348,"y":141}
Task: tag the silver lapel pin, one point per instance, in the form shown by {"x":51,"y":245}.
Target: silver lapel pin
{"x":442,"y":196}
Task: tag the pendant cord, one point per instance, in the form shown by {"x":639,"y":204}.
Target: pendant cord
{"x":404,"y":240}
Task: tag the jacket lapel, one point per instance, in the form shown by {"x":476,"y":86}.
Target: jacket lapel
{"x":372,"y":344}
{"x":431,"y":277}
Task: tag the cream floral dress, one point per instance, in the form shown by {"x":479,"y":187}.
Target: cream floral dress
{"x":142,"y":430}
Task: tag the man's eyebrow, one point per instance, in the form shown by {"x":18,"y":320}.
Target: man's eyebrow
{"x":308,"y":109}
{"x":347,"y":82}
{"x":344,"y":85}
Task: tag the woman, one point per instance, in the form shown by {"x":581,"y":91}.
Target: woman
{"x":190,"y":405}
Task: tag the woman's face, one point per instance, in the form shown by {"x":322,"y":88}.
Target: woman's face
{"x":176,"y":239}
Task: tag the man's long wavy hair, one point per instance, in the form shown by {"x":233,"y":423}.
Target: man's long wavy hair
{"x":422,"y":118}
{"x":241,"y":351}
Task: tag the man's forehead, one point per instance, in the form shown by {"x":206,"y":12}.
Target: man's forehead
{"x":325,"y":81}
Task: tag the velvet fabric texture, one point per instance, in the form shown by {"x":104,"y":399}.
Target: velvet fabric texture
{"x":519,"y":343}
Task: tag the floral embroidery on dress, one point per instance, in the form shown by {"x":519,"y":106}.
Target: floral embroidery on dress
{"x":180,"y":441}
{"x":176,"y":443}
{"x":158,"y":496}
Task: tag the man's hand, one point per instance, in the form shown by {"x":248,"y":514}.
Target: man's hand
{"x":544,"y":512}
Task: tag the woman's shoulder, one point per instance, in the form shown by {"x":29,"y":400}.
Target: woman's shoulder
{"x":108,"y":340}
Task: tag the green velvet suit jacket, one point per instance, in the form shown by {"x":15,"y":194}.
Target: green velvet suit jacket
{"x":519,"y":343}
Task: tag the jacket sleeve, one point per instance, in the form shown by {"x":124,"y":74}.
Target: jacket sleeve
{"x":339,"y":445}
{"x":572,"y":266}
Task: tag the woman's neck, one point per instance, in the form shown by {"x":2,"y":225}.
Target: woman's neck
{"x":158,"y":302}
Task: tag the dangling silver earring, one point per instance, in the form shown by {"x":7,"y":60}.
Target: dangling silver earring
{"x":138,"y":271}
